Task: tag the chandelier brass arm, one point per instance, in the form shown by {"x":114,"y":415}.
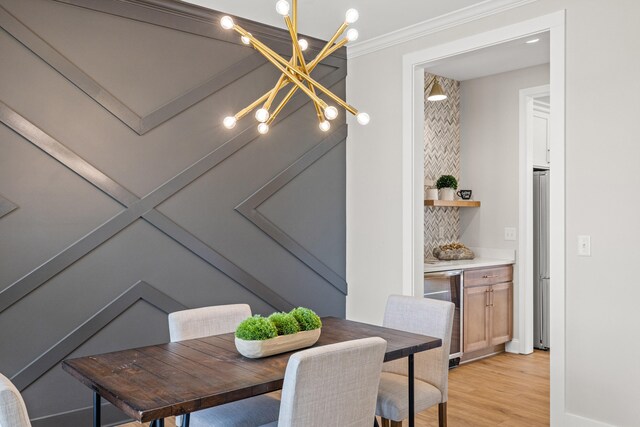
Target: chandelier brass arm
{"x":312,"y":65}
{"x":303,"y":64}
{"x":296,"y":70}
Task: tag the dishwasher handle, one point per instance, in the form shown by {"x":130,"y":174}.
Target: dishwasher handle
{"x":443,"y":274}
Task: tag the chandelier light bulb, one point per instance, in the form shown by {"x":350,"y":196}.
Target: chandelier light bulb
{"x":263,"y":128}
{"x":282,"y":7}
{"x":262,"y":115}
{"x":303,"y":44}
{"x":363,"y":118}
{"x":226,"y":22}
{"x":324,"y":126}
{"x":331,"y":112}
{"x":352,"y":35}
{"x":229,"y":122}
{"x":351,"y":16}
{"x":246,"y":40}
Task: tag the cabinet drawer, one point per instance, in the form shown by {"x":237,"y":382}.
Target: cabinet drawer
{"x":488,"y":276}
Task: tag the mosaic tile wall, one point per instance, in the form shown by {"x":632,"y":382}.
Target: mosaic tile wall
{"x":441,"y":157}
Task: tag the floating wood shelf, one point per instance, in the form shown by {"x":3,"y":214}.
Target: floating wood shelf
{"x":453,"y":203}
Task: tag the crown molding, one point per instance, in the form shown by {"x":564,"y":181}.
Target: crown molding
{"x":439,"y":23}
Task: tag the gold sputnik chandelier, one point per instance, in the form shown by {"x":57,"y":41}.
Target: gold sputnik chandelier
{"x":295,"y":70}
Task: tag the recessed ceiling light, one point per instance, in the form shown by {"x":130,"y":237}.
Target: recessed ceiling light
{"x":532,"y":41}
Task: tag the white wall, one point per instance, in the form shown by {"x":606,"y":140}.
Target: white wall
{"x":602,"y":157}
{"x":489,"y":138}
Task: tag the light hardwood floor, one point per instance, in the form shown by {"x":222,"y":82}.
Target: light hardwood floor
{"x":504,"y":390}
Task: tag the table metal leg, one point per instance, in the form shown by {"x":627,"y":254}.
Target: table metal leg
{"x":96,"y":410}
{"x":185,"y":420}
{"x":412,"y":415}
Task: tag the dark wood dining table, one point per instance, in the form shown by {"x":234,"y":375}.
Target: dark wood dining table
{"x":159,"y":381}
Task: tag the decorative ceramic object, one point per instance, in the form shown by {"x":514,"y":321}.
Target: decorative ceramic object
{"x":453,"y":251}
{"x":447,"y":194}
{"x":431,"y":194}
{"x":280,"y":344}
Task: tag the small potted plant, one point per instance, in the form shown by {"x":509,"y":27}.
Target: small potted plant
{"x":259,"y":336}
{"x":447,"y":185}
{"x":430,"y":192}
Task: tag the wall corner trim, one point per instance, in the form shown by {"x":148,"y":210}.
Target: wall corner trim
{"x":433,"y":25}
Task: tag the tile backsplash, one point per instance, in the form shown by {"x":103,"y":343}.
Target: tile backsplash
{"x":441,"y":157}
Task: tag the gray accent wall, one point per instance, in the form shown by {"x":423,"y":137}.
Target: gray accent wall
{"x":123,"y":198}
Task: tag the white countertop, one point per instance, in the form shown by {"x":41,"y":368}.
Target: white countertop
{"x":437,"y":265}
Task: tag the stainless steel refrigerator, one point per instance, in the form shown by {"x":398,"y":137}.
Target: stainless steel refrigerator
{"x":541,"y":279}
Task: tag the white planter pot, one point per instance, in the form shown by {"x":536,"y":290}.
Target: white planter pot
{"x":280,"y":344}
{"x":447,"y":194}
{"x":431,"y":194}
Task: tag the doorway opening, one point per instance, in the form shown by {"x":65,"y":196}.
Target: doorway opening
{"x":414,"y":66}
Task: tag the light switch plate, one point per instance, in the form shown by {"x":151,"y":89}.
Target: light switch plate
{"x":584,"y":245}
{"x":509,"y":233}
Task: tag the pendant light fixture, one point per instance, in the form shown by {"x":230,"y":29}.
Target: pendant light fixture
{"x":296,"y":71}
{"x":436,"y":93}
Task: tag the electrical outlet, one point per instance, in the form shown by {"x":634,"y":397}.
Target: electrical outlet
{"x":509,"y":233}
{"x":584,"y":245}
{"x":441,"y":232}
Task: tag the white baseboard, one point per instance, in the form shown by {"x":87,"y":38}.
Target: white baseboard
{"x":513,"y":346}
{"x":573,"y":420}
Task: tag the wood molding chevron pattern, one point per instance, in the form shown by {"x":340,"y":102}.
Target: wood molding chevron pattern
{"x":50,"y":358}
{"x":6,"y":206}
{"x":249,"y":209}
{"x":194,"y":19}
{"x":110,"y":102}
{"x":441,"y":157}
{"x":135,"y":208}
{"x":202,"y":259}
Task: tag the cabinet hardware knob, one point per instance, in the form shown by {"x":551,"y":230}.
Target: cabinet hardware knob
{"x":490,"y":276}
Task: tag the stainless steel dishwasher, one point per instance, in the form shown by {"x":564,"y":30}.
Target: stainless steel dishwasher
{"x":447,"y":286}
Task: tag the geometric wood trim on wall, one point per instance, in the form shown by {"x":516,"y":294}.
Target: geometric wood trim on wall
{"x":141,"y":207}
{"x":249,"y":208}
{"x":111,"y":103}
{"x":83,"y":81}
{"x":135,"y":209}
{"x":6,"y":206}
{"x":201,"y":21}
{"x":28,"y":368}
{"x":50,"y":358}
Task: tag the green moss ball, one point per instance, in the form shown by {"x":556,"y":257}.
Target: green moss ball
{"x":307,"y":319}
{"x":256,"y":328}
{"x":285,"y":323}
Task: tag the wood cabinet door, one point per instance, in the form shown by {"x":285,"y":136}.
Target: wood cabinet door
{"x":476,"y":318}
{"x":501,"y":304}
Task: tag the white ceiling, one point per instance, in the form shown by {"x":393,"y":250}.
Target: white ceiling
{"x":501,"y":58}
{"x":321,"y":18}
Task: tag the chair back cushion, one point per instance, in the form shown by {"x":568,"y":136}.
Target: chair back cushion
{"x":333,"y":385}
{"x":427,"y":317}
{"x":13,"y":412}
{"x":206,"y":321}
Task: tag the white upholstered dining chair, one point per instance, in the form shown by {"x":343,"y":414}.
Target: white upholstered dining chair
{"x":332,"y":385}
{"x":13,"y":412}
{"x":216,"y":320}
{"x":206,"y":321}
{"x":431,"y":368}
